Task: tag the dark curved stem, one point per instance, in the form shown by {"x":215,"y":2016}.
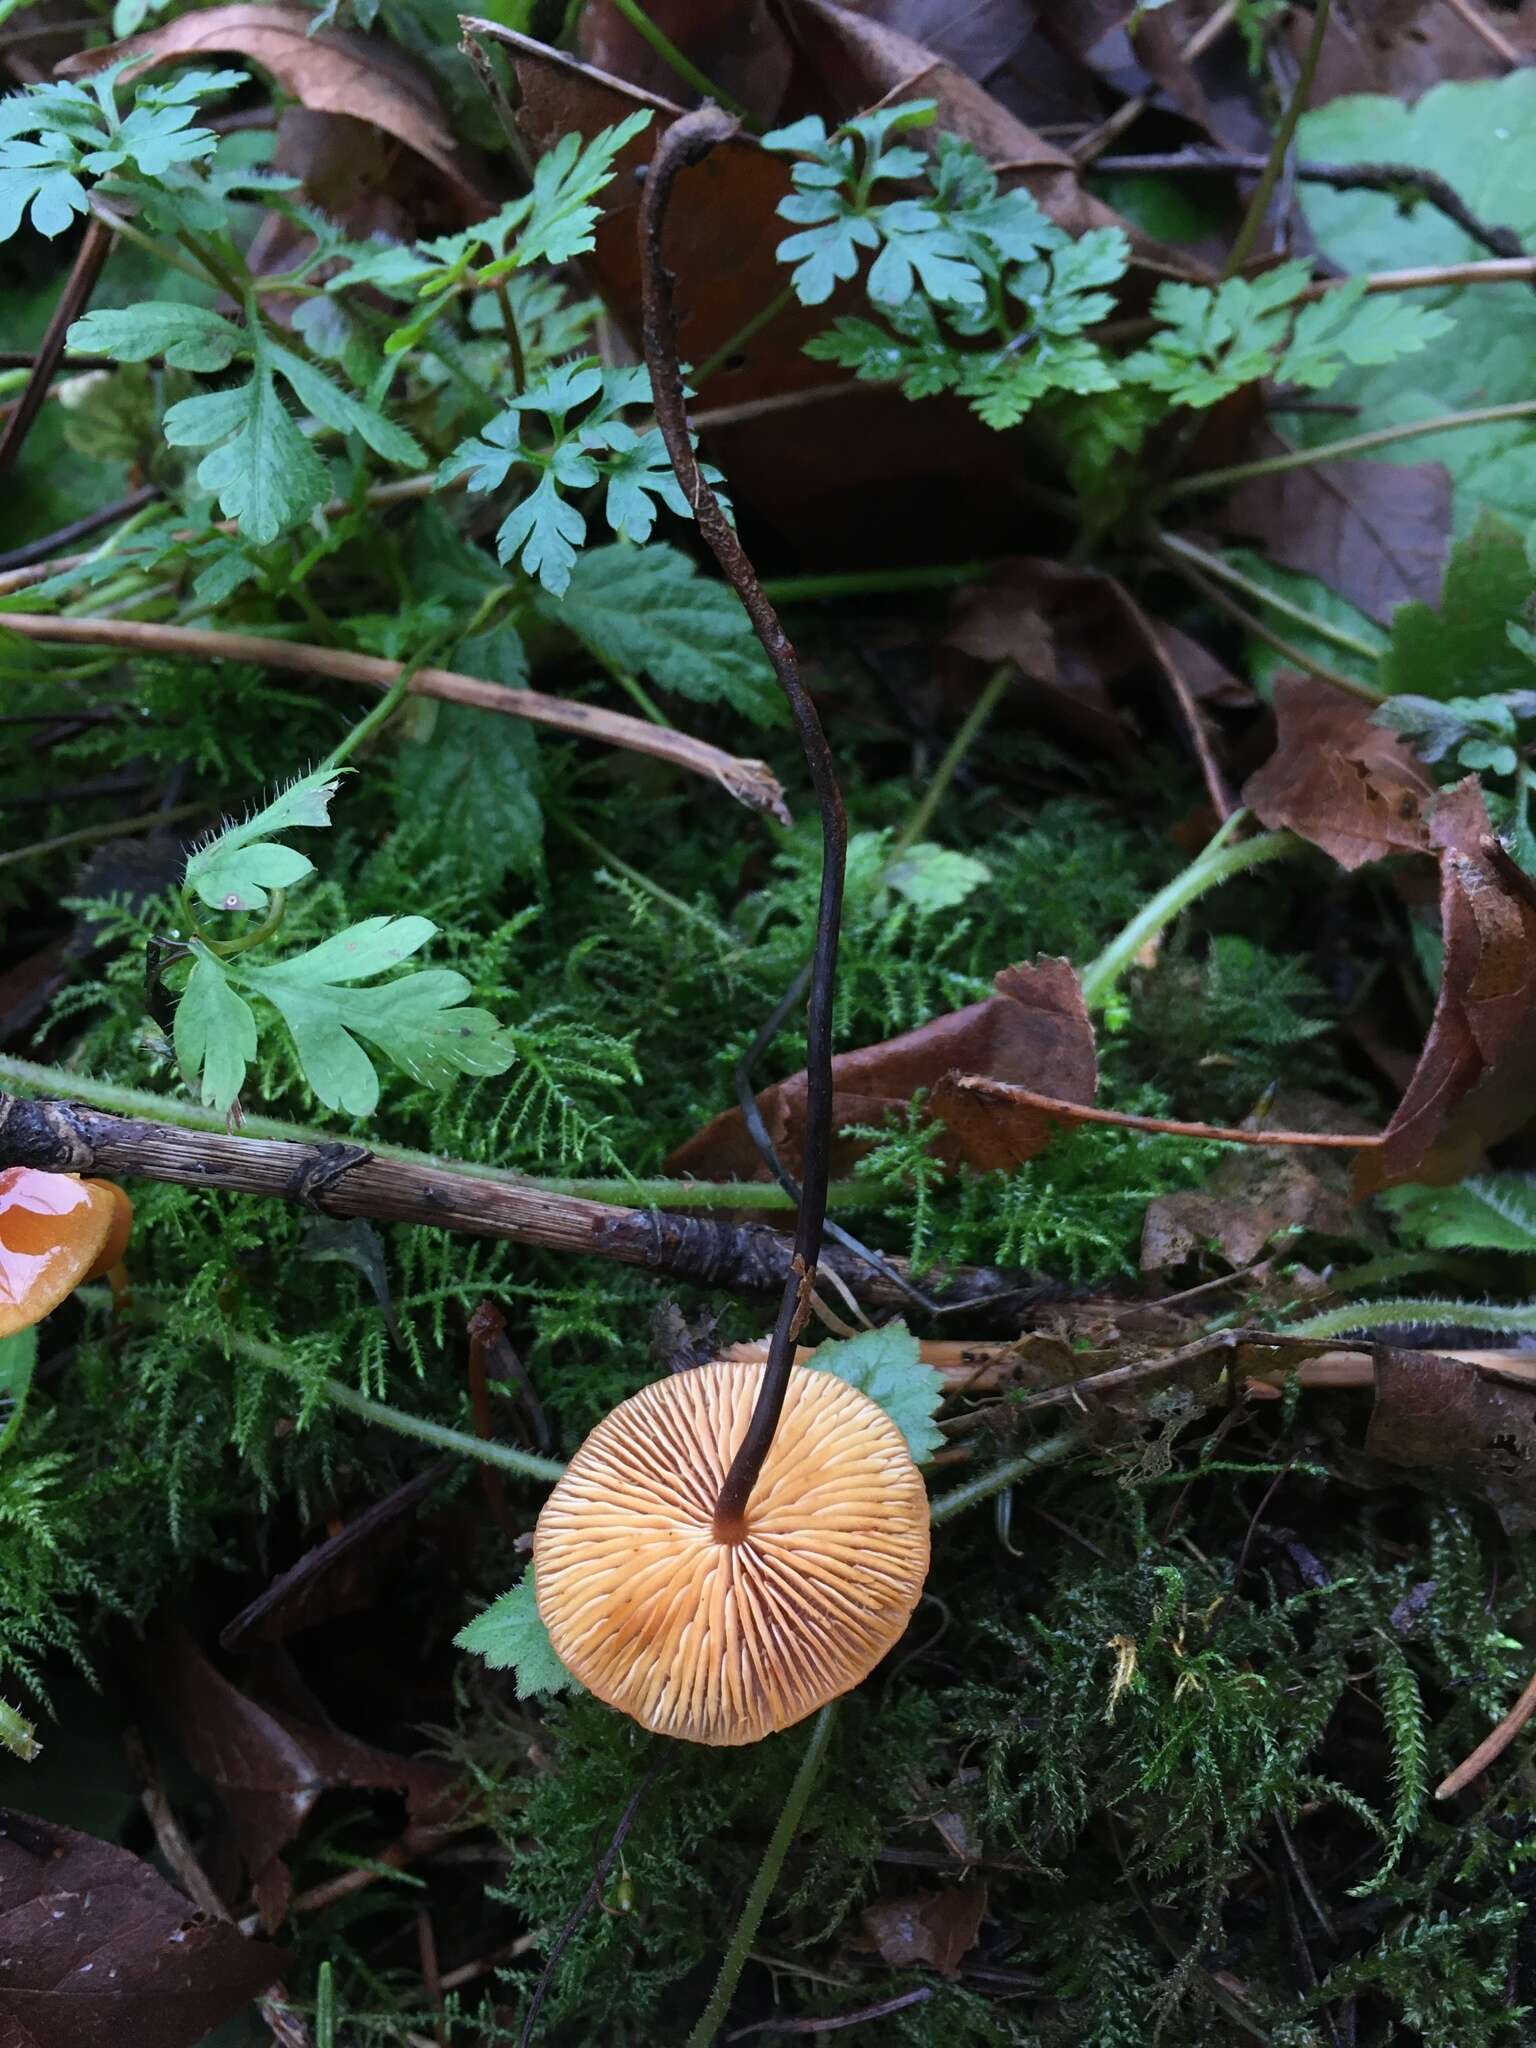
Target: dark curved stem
{"x":686,"y":142}
{"x":90,"y":261}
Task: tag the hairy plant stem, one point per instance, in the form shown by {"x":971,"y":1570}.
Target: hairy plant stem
{"x":1049,"y":1451}
{"x":678,"y":60}
{"x":650,"y":1194}
{"x":1264,"y":191}
{"x":1216,"y":565}
{"x":1353,"y":444}
{"x":1215,"y":864}
{"x":688,"y":141}
{"x":921,"y":816}
{"x":712,"y":2019}
{"x":1372,"y":1315}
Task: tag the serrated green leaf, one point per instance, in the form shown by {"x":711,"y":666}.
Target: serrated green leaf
{"x":416,"y":1021}
{"x":18,"y":1358}
{"x":650,"y":611}
{"x":886,"y":1364}
{"x":1462,"y":648}
{"x":189,"y":337}
{"x":510,"y":1636}
{"x":936,"y":877}
{"x":472,"y":785}
{"x":214,"y":1032}
{"x":222,"y":872}
{"x":1494,"y":1212}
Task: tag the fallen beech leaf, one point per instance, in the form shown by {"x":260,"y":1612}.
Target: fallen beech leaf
{"x":333,"y":71}
{"x":1477,"y":1429}
{"x":927,"y":1927}
{"x":269,"y":1767}
{"x":1376,"y":532}
{"x":1251,"y":1199}
{"x":100,"y":1952}
{"x":1034,"y":1032}
{"x":1403,"y":47}
{"x":1476,"y":1078}
{"x":1065,"y":632}
{"x":1351,"y":787}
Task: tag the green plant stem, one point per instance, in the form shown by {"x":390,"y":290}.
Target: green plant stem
{"x":163,"y":252}
{"x":739,"y":340}
{"x":223,"y":277}
{"x":1371,"y":1315}
{"x":1049,"y":1451}
{"x":61,"y":1084}
{"x":514,"y":340}
{"x":381,"y":713}
{"x":1217,"y":565}
{"x":274,"y":1359}
{"x":1352,"y":444}
{"x":1216,"y":863}
{"x":872,"y":582}
{"x":922,"y":811}
{"x":712,"y":2019}
{"x":119,"y":829}
{"x":684,"y":66}
{"x":1264,"y":191}
{"x":687,"y":911}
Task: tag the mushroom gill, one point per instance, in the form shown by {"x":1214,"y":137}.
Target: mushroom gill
{"x":720,"y":1641}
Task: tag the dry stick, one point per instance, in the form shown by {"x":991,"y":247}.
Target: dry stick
{"x":838,"y":2021}
{"x":688,"y":141}
{"x":36,"y":552}
{"x":752,"y":783}
{"x":169,"y":1837}
{"x":1496,"y":41}
{"x":346,"y":1179}
{"x":95,"y":246}
{"x":1279,"y":148}
{"x":1095,"y":143}
{"x":1491,"y":1747}
{"x":1223,"y":1134}
{"x":1215,"y":782}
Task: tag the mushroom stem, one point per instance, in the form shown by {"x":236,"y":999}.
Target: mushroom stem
{"x":688,"y":141}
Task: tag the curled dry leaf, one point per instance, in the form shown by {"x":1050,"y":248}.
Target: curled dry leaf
{"x":1350,"y":786}
{"x":1376,"y":532}
{"x":1034,"y":1032}
{"x":1476,"y":1429}
{"x":939,"y":1928}
{"x":332,"y":71}
{"x":1476,"y":1078}
{"x":100,"y":1952}
{"x":270,"y":1767}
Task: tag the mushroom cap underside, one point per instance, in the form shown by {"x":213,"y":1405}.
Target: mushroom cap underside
{"x":724,"y":1642}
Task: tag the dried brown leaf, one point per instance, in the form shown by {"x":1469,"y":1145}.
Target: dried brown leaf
{"x":939,"y":1928}
{"x":100,"y":1952}
{"x":270,"y":1767}
{"x":1444,"y":1414}
{"x":1475,"y":1081}
{"x":739,"y":45}
{"x":1350,"y":786}
{"x":1251,"y":1199}
{"x":1034,"y":1031}
{"x":1376,"y":532}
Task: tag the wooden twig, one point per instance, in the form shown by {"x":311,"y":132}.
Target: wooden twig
{"x":36,"y":552}
{"x":1098,"y":140}
{"x":688,"y":141}
{"x":169,"y":1836}
{"x":1492,"y":1746}
{"x":1199,"y":733}
{"x":341,"y":1179}
{"x":752,"y":783}
{"x":90,"y":258}
{"x":1224,"y":1134}
{"x":1484,"y":30}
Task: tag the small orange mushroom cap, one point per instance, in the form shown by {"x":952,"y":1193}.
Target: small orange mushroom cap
{"x":55,"y":1232}
{"x":724,"y":1642}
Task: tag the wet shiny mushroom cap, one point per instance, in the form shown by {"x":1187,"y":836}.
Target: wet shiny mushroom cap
{"x":725,"y":1642}
{"x":55,"y":1232}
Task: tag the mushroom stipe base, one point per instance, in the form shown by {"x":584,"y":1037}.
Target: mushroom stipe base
{"x":724,"y":1642}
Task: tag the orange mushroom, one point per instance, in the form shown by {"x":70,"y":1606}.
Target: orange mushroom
{"x":56,"y":1231}
{"x":722,"y":1640}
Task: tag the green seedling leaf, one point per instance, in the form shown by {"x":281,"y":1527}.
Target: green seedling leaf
{"x":1463,"y":647}
{"x":214,"y":1033}
{"x":189,"y":337}
{"x":482,"y":772}
{"x":935,"y":877}
{"x":415,"y":1021}
{"x":18,"y":1358}
{"x":510,"y":1637}
{"x":1494,"y":1212}
{"x":235,"y":870}
{"x":887,"y":1365}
